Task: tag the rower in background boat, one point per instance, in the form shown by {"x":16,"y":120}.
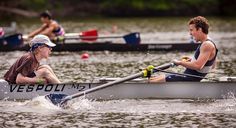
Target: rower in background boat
{"x":27,"y":69}
{"x":50,"y":27}
{"x":204,"y":58}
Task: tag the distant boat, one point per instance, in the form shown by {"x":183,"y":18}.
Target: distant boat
{"x":16,"y":42}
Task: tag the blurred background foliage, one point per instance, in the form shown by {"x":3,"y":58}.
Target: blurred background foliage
{"x":11,"y":9}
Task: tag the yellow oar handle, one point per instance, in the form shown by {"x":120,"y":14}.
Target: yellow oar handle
{"x":151,"y":69}
{"x":148,"y":71}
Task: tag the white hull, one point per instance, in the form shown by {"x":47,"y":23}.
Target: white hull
{"x":172,"y":90}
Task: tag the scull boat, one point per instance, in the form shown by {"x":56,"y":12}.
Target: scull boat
{"x":15,"y":42}
{"x":127,"y":90}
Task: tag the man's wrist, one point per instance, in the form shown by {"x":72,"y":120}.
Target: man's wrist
{"x":40,"y":81}
{"x":180,"y":62}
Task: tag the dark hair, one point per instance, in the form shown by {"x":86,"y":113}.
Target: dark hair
{"x":46,"y":14}
{"x":200,"y":22}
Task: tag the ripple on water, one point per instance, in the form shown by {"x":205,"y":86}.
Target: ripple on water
{"x":120,"y":113}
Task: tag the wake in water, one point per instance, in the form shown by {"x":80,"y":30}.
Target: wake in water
{"x":41,"y":101}
{"x":82,"y":105}
{"x":76,"y":104}
{"x":140,"y":106}
{"x":229,"y":102}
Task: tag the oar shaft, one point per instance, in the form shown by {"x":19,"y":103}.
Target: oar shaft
{"x":140,"y":74}
{"x":91,"y":37}
{"x":107,"y":85}
{"x":163,"y":67}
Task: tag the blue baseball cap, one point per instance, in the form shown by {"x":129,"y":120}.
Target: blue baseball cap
{"x":40,"y":40}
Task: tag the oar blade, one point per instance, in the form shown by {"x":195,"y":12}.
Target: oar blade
{"x":14,"y":40}
{"x":56,"y":99}
{"x":132,"y":38}
{"x":90,"y":35}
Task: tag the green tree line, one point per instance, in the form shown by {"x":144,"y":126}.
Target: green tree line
{"x":117,"y":8}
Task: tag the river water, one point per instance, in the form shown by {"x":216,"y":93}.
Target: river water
{"x":69,"y":67}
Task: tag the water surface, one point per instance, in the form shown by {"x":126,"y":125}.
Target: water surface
{"x":69,"y":67}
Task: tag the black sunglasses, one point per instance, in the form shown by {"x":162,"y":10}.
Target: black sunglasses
{"x":47,"y":46}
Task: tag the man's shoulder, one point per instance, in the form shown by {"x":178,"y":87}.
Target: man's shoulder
{"x":27,"y":56}
{"x":208,"y":44}
{"x":54,"y":23}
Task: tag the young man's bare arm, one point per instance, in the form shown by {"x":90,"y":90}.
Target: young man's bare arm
{"x":48,"y":31}
{"x":205,"y":53}
{"x":37,"y":31}
{"x":20,"y":79}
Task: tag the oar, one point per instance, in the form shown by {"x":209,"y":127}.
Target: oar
{"x":131,"y":38}
{"x":183,"y":74}
{"x":189,"y":75}
{"x":61,"y":99}
{"x":82,"y":35}
{"x":92,"y":35}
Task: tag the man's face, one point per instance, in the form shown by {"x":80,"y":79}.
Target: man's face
{"x":45,"y":51}
{"x":44,"y":20}
{"x":194,"y":32}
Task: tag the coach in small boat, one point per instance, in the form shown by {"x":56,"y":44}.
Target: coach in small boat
{"x":27,"y":69}
{"x":203,"y":60}
{"x":50,"y":27}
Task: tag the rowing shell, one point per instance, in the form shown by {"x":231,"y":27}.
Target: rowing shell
{"x":130,"y":90}
{"x":15,"y":42}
